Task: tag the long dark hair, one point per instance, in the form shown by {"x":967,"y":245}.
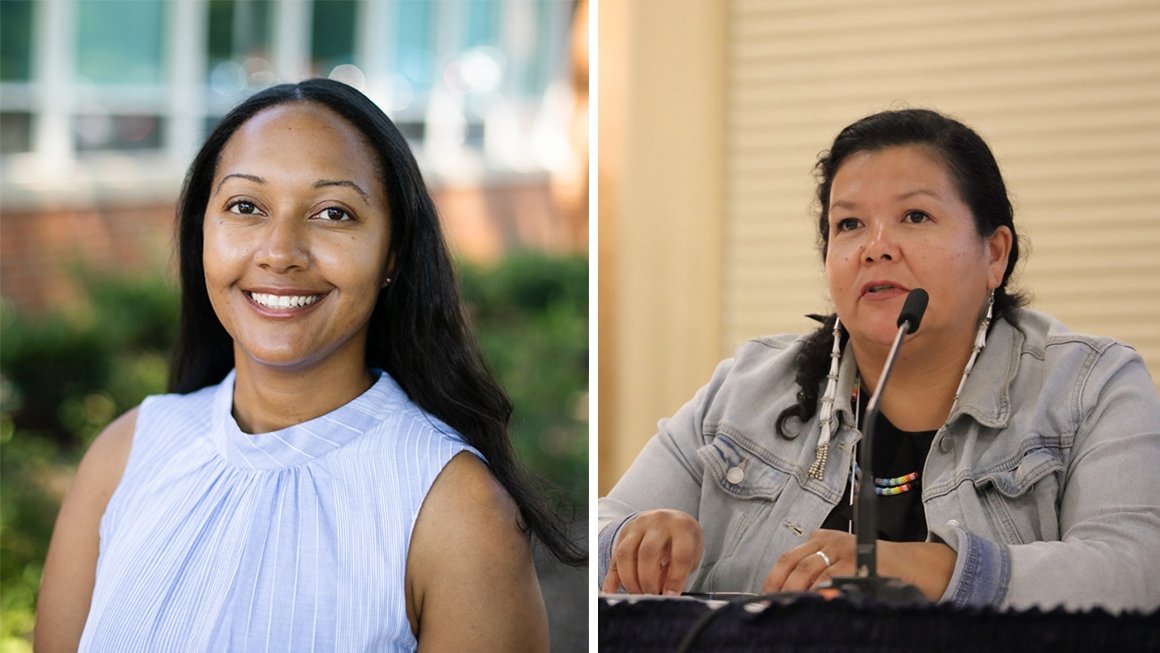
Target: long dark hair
{"x":417,"y":332}
{"x":976,"y":176}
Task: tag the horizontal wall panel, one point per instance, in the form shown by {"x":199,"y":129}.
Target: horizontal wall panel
{"x":1066,"y":93}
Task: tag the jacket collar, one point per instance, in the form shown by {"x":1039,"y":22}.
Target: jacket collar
{"x":986,"y":396}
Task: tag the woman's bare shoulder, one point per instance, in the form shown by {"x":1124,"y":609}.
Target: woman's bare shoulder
{"x":470,"y":565}
{"x":70,"y":567}
{"x":104,"y":463}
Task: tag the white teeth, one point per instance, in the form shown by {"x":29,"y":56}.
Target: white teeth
{"x":284,"y":301}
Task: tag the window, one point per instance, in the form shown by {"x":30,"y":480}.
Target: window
{"x":332,"y":38}
{"x":15,"y":40}
{"x":238,"y":58}
{"x":15,"y":70}
{"x":120,"y":42}
{"x":143,"y":81}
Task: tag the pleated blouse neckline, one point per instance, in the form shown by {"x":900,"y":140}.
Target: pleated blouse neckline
{"x":300,"y":443}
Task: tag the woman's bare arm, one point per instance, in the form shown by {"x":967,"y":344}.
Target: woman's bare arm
{"x":471,"y":584}
{"x":70,"y":568}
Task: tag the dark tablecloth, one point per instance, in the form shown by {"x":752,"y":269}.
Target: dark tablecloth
{"x":810,"y":623}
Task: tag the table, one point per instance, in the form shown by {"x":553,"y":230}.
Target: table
{"x":807,"y":622}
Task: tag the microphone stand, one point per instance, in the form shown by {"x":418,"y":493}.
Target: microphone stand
{"x":866,"y":581}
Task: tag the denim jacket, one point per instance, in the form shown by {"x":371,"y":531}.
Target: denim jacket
{"x":1045,"y":481}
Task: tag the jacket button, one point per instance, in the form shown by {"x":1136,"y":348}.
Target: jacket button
{"x":945,"y":445}
{"x":735,"y":475}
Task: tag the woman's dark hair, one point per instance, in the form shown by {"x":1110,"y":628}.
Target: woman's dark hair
{"x":976,"y":176}
{"x":417,"y":331}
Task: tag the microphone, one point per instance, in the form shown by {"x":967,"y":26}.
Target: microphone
{"x":866,"y":580}
{"x":913,"y":308}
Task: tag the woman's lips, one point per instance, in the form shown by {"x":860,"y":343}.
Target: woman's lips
{"x":883,"y":290}
{"x":270,"y":300}
{"x":283,"y":303}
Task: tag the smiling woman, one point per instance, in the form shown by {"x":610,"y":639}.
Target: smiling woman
{"x":332,"y":470}
{"x":296,"y":253}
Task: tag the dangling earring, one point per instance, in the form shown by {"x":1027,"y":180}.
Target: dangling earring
{"x":980,"y":342}
{"x":826,"y":416}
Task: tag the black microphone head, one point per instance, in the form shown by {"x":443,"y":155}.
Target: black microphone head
{"x":913,"y":309}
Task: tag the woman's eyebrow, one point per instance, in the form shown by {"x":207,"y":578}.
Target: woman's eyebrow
{"x":322,"y":183}
{"x":920,"y":191}
{"x":254,"y":178}
{"x":851,"y":205}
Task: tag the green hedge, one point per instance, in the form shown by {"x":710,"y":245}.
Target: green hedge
{"x":64,"y":376}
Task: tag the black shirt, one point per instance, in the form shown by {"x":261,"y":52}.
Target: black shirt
{"x":901,"y":517}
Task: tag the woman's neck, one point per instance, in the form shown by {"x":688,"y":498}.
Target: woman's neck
{"x":922,"y":383}
{"x":267,"y":399}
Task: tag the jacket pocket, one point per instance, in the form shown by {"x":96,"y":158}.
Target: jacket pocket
{"x":1022,"y":496}
{"x":738,"y":497}
{"x":740,"y":473}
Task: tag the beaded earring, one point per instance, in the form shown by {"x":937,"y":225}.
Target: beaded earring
{"x":817,"y":469}
{"x":826,"y":415}
{"x":980,"y":342}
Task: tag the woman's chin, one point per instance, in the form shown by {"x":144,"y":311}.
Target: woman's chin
{"x":877,"y":334}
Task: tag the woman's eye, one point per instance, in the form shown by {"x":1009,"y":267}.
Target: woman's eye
{"x":846,"y":224}
{"x":916,"y":217}
{"x":334,"y":214}
{"x":242,"y":207}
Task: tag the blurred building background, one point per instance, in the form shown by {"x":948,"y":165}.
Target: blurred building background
{"x":712,"y":115}
{"x":104,"y":102}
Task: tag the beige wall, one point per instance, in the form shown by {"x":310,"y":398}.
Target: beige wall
{"x":661,"y":180}
{"x":1066,"y":93}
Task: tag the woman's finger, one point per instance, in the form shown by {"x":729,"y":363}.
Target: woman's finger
{"x":625,"y":555}
{"x":775,"y":580}
{"x":651,"y":560}
{"x":611,"y":580}
{"x":799,"y":568}
{"x":804,"y":572}
{"x":684,"y":554}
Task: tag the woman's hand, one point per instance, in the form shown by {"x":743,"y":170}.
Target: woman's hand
{"x":654,"y":553}
{"x":926,"y":565}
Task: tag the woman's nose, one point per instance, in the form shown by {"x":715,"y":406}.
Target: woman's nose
{"x":283,"y":246}
{"x":880,"y":243}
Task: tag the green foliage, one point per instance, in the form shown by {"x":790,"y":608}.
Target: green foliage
{"x":63,"y":377}
{"x":30,"y":468}
{"x":66,"y":375}
{"x":531,"y":317}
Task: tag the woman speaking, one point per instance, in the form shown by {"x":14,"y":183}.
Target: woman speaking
{"x":1014,"y":460}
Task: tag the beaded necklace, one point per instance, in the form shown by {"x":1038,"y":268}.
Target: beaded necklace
{"x":828,"y":419}
{"x":883,"y":487}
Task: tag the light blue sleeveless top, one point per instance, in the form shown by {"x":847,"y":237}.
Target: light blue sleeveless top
{"x":294,"y":540}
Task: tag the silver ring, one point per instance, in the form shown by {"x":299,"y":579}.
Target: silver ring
{"x":825,"y":558}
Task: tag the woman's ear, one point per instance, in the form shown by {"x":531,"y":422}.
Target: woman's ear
{"x":998,"y":250}
{"x":390,"y":274}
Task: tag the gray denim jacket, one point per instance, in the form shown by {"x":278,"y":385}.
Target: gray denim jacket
{"x":1046,"y":482}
